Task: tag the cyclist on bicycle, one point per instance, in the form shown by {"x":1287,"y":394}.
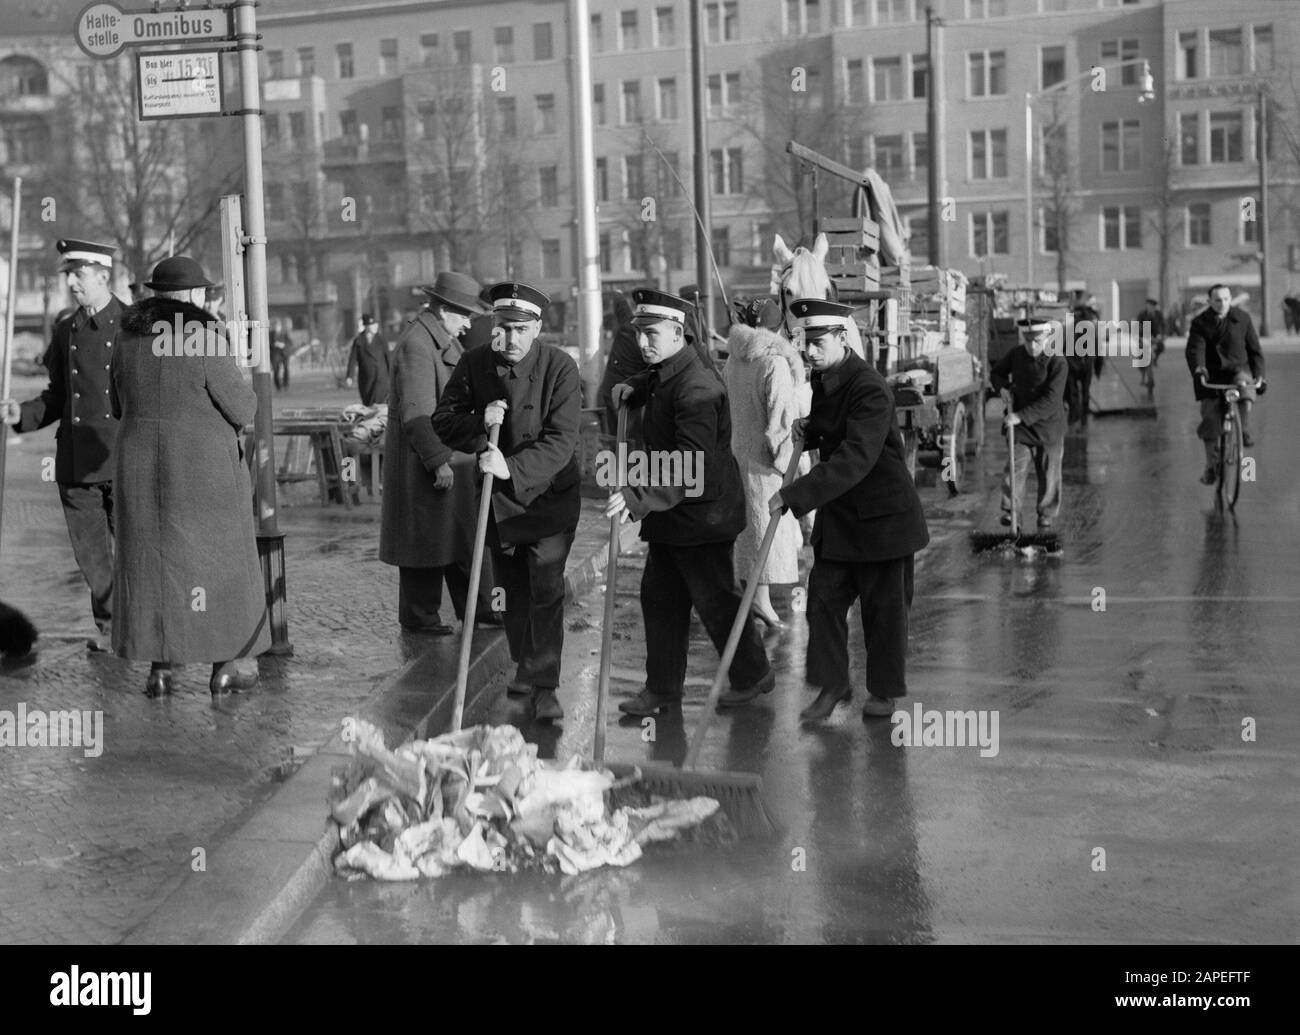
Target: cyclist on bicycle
{"x":1222,"y":347}
{"x":1151,"y":320}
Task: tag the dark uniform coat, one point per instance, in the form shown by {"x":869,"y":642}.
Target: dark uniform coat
{"x":1037,"y":394}
{"x":183,"y":500}
{"x":685,"y":408}
{"x":78,"y":361}
{"x":1224,"y":348}
{"x":539,"y":437}
{"x":369,"y":362}
{"x":422,"y":526}
{"x":866,"y":502}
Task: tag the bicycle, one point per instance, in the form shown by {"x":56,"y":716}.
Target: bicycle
{"x":1231,"y":447}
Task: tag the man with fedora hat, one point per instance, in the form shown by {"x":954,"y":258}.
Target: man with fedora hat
{"x":77,"y":397}
{"x":533,"y":391}
{"x":430,"y":503}
{"x":368,"y":363}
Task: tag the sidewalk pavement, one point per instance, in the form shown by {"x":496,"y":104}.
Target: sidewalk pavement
{"x":203,"y":820}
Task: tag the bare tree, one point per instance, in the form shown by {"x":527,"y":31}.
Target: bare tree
{"x":654,"y":211}
{"x":1055,"y":177}
{"x":1165,"y":218}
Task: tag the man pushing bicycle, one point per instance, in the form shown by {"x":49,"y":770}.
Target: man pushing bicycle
{"x":1223,"y":348}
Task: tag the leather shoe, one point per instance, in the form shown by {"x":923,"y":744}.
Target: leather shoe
{"x":1247,"y":439}
{"x":646,"y":703}
{"x":491,"y":620}
{"x":1005,"y":520}
{"x":1209,"y":476}
{"x":227,"y":679}
{"x":546,"y":706}
{"x":159,"y":683}
{"x":825,"y":704}
{"x":518,"y":688}
{"x":435,"y":629}
{"x":101,"y":643}
{"x":878,"y":707}
{"x":733,"y":698}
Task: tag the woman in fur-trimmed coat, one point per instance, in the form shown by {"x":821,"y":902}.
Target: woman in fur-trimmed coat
{"x":767,"y":392}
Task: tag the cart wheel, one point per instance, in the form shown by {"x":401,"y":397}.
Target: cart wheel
{"x":975,"y":425}
{"x":953,"y":442}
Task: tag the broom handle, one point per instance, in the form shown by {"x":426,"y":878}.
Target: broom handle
{"x":607,"y":629}
{"x":8,"y":344}
{"x":1015,"y":502}
{"x":742,"y":616}
{"x":471,"y":594}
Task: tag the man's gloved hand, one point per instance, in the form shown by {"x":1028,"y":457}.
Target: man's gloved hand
{"x":494,"y":414}
{"x":800,"y":428}
{"x":1011,"y":420}
{"x":1262,"y":385}
{"x":10,"y":412}
{"x":619,"y":393}
{"x":617,"y":506}
{"x":1201,"y":374}
{"x":492,"y":461}
{"x":776,"y":506}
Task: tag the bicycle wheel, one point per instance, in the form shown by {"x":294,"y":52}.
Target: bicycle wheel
{"x":1230,"y":449}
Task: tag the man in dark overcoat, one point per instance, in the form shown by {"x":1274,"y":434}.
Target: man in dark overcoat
{"x":534,"y":392}
{"x":77,"y":397}
{"x":1223,"y":347}
{"x":429,"y":504}
{"x":368,"y":363}
{"x":869,"y":523}
{"x":690,"y":529}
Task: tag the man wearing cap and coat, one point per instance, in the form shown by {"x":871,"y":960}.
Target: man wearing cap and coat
{"x":430,"y":500}
{"x":869,"y":524}
{"x":690,"y":529}
{"x":368,"y":363}
{"x":77,"y":397}
{"x":534,"y":392}
{"x":188,"y":583}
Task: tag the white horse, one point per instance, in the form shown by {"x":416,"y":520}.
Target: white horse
{"x":802,"y":274}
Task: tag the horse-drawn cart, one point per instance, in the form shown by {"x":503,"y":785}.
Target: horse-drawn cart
{"x":918,"y":325}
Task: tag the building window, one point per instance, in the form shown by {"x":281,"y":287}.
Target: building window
{"x":855,"y":152}
{"x":855,"y":81}
{"x":1198,"y":224}
{"x":630,"y":100}
{"x":888,"y":11}
{"x":1121,"y":146}
{"x":462,"y":46}
{"x":665,"y":27}
{"x":388,"y":57}
{"x":728,"y":170}
{"x":551,"y":258}
{"x":721,"y":243}
{"x":598,"y":103}
{"x":674,"y":254}
{"x":1189,"y":138}
{"x":986,"y":8}
{"x":275,"y":64}
{"x":1249,"y":230}
{"x":1226,"y":57}
{"x":887,"y":156}
{"x":390,"y":127}
{"x":1121,"y":227}
{"x":628,"y":36}
{"x":920,"y":155}
{"x":270,"y":129}
{"x":602,"y":180}
{"x":988,"y":154}
{"x":1189,"y":48}
{"x":633,"y":178}
{"x":723,"y":92}
{"x":348,"y":126}
{"x":297,"y":126}
{"x":803,"y":17}
{"x":1050,"y":240}
{"x":306,"y":61}
{"x":1119,"y":51}
{"x":987,"y":73}
{"x":428,"y":47}
{"x":1051,"y":66}
{"x":722,"y":22}
{"x":856,"y":13}
{"x":920,"y":77}
{"x":669,"y":181}
{"x":1225,"y":137}
{"x":343,"y":52}
{"x":606,"y":253}
{"x":503,"y":45}
{"x":548,"y":181}
{"x":543,"y":44}
{"x":597,"y":34}
{"x":275,"y":202}
{"x":988,"y":234}
{"x":546,"y":113}
{"x":667,"y":99}
{"x":1261,"y":58}
{"x":887,"y":79}
{"x":507,"y":121}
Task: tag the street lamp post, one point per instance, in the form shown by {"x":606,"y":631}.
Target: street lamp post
{"x":1148,"y":93}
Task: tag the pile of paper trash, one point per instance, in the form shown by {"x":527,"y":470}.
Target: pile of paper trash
{"x":480,"y":800}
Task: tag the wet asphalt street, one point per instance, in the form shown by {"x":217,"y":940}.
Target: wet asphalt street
{"x":1144,"y":783}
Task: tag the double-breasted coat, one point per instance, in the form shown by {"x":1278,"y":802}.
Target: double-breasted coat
{"x":422,"y":526}
{"x":78,"y":358}
{"x":867,"y":505}
{"x":187,"y":582}
{"x":539,"y":436}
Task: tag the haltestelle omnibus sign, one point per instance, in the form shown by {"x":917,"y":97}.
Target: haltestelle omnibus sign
{"x":104,"y":29}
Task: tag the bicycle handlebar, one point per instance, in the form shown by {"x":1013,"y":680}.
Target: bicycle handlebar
{"x":1223,"y":388}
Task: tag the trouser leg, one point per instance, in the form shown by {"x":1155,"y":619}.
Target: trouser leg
{"x":88,"y":511}
{"x":1209,"y":429}
{"x":666,"y":612}
{"x":711,"y":582}
{"x":1047,"y":469}
{"x":542,"y":633}
{"x":457,"y":578}
{"x":1017,"y":467}
{"x":419,"y":597}
{"x":831,"y":592}
{"x":511,"y":571}
{"x":885,"y":588}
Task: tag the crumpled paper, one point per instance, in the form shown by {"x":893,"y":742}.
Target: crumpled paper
{"x":480,"y":800}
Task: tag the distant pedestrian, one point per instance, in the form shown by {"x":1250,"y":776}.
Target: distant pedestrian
{"x":188,"y":583}
{"x":1291,"y":313}
{"x":1080,"y":369}
{"x":77,"y":397}
{"x":1151,"y":323}
{"x":368,"y":363}
{"x":279,"y":346}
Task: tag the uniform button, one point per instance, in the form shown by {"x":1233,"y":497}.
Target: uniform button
{"x":76,"y":420}
{"x":105,"y":366}
{"x":76,"y":395}
{"x":74,"y":348}
{"x":108,"y":416}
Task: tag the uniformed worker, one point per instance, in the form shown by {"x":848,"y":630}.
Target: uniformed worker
{"x":78,"y":397}
{"x":869,"y":519}
{"x":690,"y":536}
{"x":533,"y":391}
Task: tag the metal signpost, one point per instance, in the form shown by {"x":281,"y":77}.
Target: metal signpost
{"x":188,"y":84}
